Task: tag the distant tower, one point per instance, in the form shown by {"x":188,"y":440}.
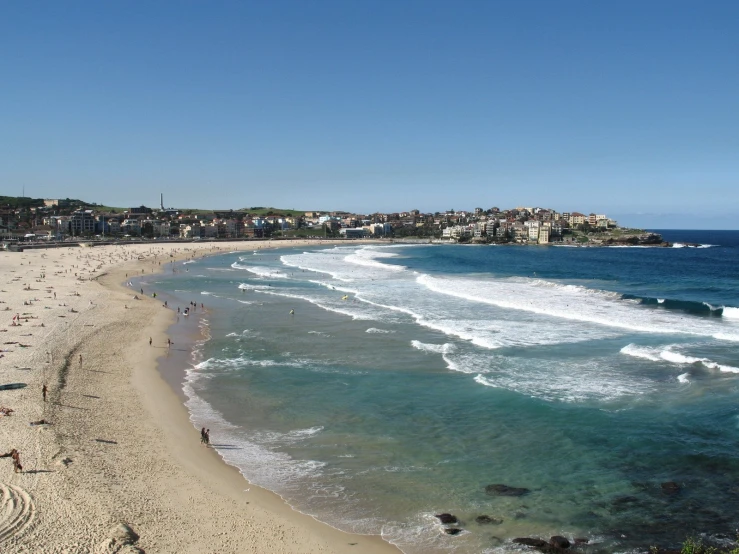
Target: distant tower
{"x":161,"y":200}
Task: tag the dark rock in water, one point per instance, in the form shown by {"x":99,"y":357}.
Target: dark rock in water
{"x":453,"y":531}
{"x":505,"y":490}
{"x":670,"y":487}
{"x":536,"y":543}
{"x":487,"y":520}
{"x":581,"y":540}
{"x":559,"y":542}
{"x":446,"y":518}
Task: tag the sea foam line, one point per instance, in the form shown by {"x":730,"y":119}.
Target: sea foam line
{"x":593,"y":306}
{"x":668,"y":355}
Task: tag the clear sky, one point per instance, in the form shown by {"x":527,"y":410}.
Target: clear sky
{"x":629,"y":108}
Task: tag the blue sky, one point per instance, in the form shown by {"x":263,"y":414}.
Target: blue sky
{"x":627,"y":108}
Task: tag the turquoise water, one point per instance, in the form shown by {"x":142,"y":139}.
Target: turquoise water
{"x":409,"y":378}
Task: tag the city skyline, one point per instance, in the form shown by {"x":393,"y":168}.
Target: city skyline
{"x":629,"y":109}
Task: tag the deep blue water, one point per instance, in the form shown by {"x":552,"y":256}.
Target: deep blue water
{"x":408,"y":378}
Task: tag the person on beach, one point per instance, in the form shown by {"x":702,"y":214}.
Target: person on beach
{"x":15,"y":455}
{"x":44,"y":391}
{"x":80,"y":359}
{"x":202,"y":436}
{"x":169,"y":343}
{"x":149,"y":341}
{"x":207,"y":437}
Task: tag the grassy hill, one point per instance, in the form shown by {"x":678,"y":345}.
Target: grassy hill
{"x":16,"y":202}
{"x":259,"y":210}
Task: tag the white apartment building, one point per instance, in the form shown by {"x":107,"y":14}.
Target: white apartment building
{"x":543,"y":237}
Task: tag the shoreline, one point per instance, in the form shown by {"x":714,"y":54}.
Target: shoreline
{"x":121,"y":448}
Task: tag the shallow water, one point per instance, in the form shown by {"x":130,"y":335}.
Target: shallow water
{"x":410,"y":377}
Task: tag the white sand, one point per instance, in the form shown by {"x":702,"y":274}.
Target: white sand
{"x":120,"y":447}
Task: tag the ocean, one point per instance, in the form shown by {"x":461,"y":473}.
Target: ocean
{"x":375,"y":386}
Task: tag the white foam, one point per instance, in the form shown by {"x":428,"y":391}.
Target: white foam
{"x":730,"y":313}
{"x":572,"y":302}
{"x":398,"y":291}
{"x":302,"y":433}
{"x":255,"y":454}
{"x":641,"y":352}
{"x":376,"y":330}
{"x":684,"y":378}
{"x":260,"y":271}
{"x":244,"y":333}
{"x":368,"y":257}
{"x":347,"y":264}
{"x":358,"y":315}
{"x":667,"y":354}
{"x":247,"y":286}
{"x":683,"y":245}
{"x":307,"y":262}
{"x":563,"y":381}
{"x":435,"y":348}
{"x":225,"y":364}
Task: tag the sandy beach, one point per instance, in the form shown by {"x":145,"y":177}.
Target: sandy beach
{"x":118,"y":466}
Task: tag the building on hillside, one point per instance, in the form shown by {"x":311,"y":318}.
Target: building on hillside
{"x":520,"y":231}
{"x":533,"y":227}
{"x":543,"y":237}
{"x":51,"y":202}
{"x":577,"y":218}
{"x":189,"y":230}
{"x":380,"y":229}
{"x":131,"y":226}
{"x":82,"y":222}
{"x":63,"y":225}
{"x":114,"y":225}
{"x":210,"y":230}
{"x":353,"y":233}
